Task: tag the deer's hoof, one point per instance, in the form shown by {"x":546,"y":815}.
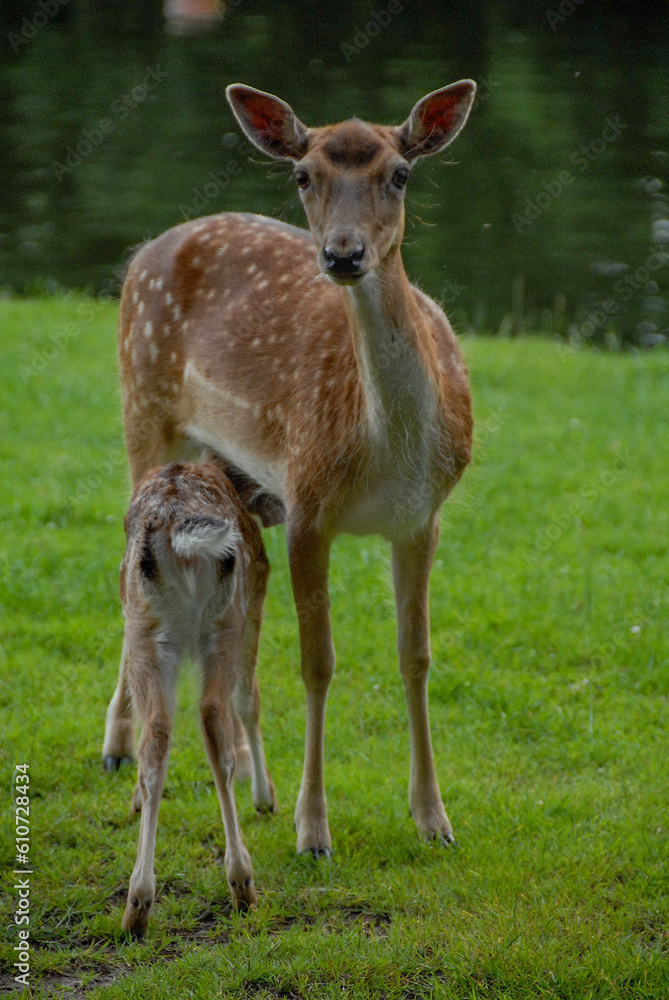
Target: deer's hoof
{"x":317,"y":853}
{"x":243,"y":893}
{"x":313,"y":835}
{"x":136,"y":917}
{"x":111,"y":764}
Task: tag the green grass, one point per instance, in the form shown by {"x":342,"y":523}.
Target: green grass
{"x":548,"y":703}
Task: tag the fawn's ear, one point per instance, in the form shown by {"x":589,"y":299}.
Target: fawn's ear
{"x":270,"y":124}
{"x":436,"y":119}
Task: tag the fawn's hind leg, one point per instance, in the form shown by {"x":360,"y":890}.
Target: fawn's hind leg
{"x":220,"y":674}
{"x":153,"y":684}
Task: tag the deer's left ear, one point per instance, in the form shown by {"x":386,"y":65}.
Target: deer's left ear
{"x":436,"y":119}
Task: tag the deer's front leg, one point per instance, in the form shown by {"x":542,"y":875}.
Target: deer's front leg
{"x":308,"y":552}
{"x":412,"y":561}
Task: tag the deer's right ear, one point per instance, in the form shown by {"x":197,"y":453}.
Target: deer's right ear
{"x":270,"y":124}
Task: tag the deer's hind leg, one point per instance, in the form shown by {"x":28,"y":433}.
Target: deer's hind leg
{"x":120,"y":722}
{"x":247,"y":692}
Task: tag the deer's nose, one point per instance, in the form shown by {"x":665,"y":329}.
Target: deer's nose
{"x":342,"y":264}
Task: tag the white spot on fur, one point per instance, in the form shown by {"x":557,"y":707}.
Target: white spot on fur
{"x":159,"y":283}
{"x":168,"y":299}
{"x":148,"y":329}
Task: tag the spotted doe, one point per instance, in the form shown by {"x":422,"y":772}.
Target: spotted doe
{"x":311,"y":365}
{"x":192,"y":583}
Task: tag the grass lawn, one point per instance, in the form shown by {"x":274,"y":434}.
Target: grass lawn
{"x":548,"y":702}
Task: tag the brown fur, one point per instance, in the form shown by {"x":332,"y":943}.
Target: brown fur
{"x":346,"y":408}
{"x":210,"y":604}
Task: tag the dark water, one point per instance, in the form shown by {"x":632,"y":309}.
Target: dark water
{"x":549,"y":212}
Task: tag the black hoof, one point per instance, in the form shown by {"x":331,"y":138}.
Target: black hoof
{"x":317,"y":852}
{"x":112,"y":764}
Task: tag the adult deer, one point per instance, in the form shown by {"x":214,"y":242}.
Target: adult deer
{"x":333,"y":389}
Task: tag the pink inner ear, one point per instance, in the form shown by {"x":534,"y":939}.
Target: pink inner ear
{"x":440,"y":112}
{"x":264,"y":116}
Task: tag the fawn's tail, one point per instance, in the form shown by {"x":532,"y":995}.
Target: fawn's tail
{"x":204,"y":535}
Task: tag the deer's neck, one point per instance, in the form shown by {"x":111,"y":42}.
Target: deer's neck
{"x":395,"y":355}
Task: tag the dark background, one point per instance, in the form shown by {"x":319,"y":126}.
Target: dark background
{"x":542,"y":216}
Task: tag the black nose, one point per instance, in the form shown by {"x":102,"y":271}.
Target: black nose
{"x":348,"y":263}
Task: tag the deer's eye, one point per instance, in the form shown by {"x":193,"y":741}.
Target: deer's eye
{"x":302,"y":178}
{"x":400,"y":177}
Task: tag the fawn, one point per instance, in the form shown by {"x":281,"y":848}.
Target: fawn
{"x":192,"y":582}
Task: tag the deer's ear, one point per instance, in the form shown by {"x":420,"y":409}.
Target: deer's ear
{"x":270,"y":124}
{"x":436,"y":119}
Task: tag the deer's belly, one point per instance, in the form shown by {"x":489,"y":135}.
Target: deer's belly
{"x":395,"y":508}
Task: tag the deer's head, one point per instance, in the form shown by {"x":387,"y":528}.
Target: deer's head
{"x":352,"y":176}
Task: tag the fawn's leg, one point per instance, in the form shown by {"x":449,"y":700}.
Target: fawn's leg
{"x":412,"y":561}
{"x":220,"y":675}
{"x":308,"y":552}
{"x":150,"y":441}
{"x":153,"y":685}
{"x":119,"y":741}
{"x":247,"y":693}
